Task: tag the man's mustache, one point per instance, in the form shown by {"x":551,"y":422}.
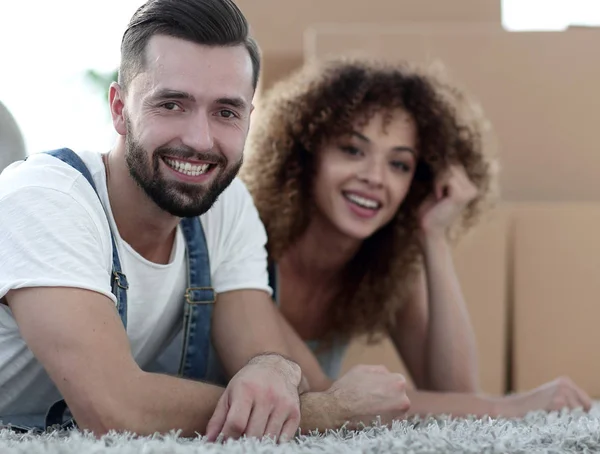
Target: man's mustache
{"x":189,"y":153}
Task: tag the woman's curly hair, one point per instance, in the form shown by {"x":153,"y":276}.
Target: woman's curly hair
{"x":325,"y":100}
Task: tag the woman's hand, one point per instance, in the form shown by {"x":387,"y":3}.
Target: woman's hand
{"x":452,"y":193}
{"x":556,"y":395}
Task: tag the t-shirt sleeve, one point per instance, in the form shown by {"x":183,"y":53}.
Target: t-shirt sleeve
{"x":238,"y":244}
{"x":48,"y":238}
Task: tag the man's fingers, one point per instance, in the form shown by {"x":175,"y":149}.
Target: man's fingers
{"x":258,"y":420}
{"x":237,"y":417}
{"x":215,"y":424}
{"x":275,"y":424}
{"x":288,"y":431}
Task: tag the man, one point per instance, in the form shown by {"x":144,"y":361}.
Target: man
{"x":109,"y":280}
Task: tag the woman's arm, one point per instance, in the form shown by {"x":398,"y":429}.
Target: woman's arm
{"x":433,"y":333}
{"x":414,"y":344}
{"x":555,"y":395}
{"x":410,"y":338}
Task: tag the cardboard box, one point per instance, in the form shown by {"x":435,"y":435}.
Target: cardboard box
{"x":556,"y":295}
{"x":279,"y":29}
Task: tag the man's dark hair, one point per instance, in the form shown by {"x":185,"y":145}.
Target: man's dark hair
{"x":206,"y":22}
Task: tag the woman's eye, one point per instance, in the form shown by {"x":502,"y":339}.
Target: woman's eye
{"x":350,"y":150}
{"x":401,"y":166}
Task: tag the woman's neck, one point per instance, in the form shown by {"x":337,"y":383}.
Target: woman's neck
{"x":310,"y":271}
{"x":321,"y":253}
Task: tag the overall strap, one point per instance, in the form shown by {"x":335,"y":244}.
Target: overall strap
{"x":198,"y":305}
{"x":118,"y":280}
{"x":119,"y":285}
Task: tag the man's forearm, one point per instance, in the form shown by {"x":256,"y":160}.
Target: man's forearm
{"x":244,"y":325}
{"x":152,"y":403}
{"x":163,"y":403}
{"x":319,"y":412}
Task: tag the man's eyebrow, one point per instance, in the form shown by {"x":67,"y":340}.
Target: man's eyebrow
{"x":238,"y":103}
{"x":167,"y":93}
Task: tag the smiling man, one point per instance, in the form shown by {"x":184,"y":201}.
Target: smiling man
{"x":113,"y":265}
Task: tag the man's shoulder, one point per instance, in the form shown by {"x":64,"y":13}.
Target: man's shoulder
{"x":42,"y":179}
{"x":42,"y":171}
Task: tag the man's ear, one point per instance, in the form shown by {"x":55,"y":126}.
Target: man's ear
{"x":116,"y":98}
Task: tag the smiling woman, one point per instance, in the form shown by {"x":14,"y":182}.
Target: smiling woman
{"x":363,"y":173}
{"x":359,"y":147}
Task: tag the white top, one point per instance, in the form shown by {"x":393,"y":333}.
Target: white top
{"x":55,"y":232}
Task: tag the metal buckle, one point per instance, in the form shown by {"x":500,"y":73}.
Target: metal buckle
{"x":188,"y":295}
{"x":118,"y":276}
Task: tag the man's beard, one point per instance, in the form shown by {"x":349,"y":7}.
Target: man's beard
{"x":175,"y":197}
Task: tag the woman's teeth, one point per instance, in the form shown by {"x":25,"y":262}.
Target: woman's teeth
{"x":186,"y":168}
{"x":362,"y":201}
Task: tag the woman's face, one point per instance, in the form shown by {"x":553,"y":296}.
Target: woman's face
{"x":363,"y":178}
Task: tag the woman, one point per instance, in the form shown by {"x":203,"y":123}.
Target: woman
{"x":363,"y":173}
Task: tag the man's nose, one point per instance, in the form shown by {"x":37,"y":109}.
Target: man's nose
{"x":199,"y":133}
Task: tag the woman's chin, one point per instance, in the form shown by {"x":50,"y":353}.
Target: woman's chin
{"x":357,"y":232}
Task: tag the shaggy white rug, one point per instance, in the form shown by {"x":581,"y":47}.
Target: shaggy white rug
{"x":565,"y":432}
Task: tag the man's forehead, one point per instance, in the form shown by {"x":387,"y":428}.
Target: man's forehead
{"x":186,"y":66}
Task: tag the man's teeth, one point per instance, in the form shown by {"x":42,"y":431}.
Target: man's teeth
{"x":362,"y":201}
{"x":187,"y":168}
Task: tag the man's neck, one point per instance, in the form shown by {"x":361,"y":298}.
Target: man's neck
{"x":143,"y":225}
{"x":321,"y":253}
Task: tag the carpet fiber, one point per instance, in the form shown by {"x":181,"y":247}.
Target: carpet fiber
{"x":564,"y":432}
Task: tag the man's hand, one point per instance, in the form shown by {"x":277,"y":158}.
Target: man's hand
{"x":261,"y":399}
{"x":366,"y":392}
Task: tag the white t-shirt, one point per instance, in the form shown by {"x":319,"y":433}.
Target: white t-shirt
{"x":54,"y":231}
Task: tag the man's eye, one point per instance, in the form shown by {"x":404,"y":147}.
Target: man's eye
{"x":226,"y":113}
{"x":170,"y":106}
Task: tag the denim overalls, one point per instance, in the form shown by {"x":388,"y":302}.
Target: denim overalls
{"x":191,"y":354}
